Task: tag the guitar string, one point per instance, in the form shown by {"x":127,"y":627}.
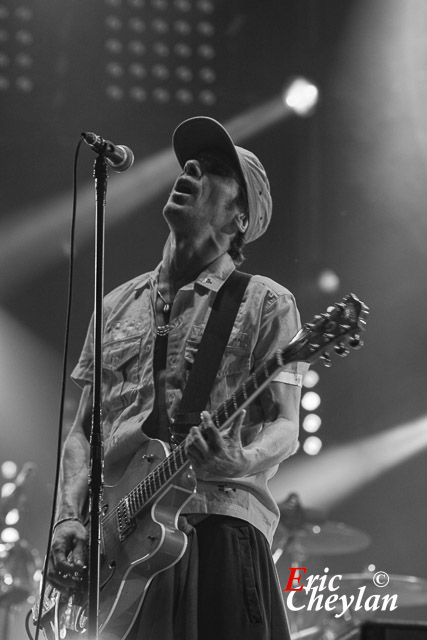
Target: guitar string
{"x":222,"y":413}
{"x":238,"y":398}
{"x":254,"y":381}
{"x":146,"y":481}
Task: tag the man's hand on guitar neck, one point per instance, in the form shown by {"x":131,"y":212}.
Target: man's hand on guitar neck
{"x":216,"y":452}
{"x":67,"y":561}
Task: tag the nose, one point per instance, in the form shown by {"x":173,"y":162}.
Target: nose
{"x":193,"y":168}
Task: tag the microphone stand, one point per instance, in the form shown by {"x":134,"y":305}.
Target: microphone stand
{"x":96,"y":471}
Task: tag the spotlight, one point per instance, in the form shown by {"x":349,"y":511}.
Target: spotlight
{"x":12,"y":517}
{"x":9,"y":469}
{"x":310,"y":401}
{"x":311,"y":423}
{"x":312,"y":445}
{"x":301,"y":96}
{"x":311,"y":378}
{"x":9,"y":534}
{"x":328,"y":281}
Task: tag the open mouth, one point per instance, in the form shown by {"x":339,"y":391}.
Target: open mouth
{"x":183,"y":186}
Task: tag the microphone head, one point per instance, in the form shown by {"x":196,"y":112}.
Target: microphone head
{"x":126,"y":163}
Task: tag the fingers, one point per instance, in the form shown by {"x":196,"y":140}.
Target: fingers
{"x":63,"y":580}
{"x":196,"y":446}
{"x":206,"y":441}
{"x":237,"y":425}
{"x":67,"y":558}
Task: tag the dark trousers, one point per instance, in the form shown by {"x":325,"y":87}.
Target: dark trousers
{"x":238,"y":591}
{"x":224,"y":588}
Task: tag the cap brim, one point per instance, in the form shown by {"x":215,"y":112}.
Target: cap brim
{"x":201,"y":133}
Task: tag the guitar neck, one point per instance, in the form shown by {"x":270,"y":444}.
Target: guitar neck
{"x":222,"y":418}
{"x":341,"y":323}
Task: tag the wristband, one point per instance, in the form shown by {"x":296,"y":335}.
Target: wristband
{"x":66,"y":520}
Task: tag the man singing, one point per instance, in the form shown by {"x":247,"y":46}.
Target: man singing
{"x":225,"y":586}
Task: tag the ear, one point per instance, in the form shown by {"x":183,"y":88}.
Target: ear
{"x":242,"y":221}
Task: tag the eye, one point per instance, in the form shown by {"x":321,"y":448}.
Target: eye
{"x":216,"y":166}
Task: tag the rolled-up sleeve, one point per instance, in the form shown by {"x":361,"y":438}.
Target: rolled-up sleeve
{"x":280,"y":322}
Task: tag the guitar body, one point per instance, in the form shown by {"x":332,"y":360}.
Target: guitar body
{"x":131,"y":555}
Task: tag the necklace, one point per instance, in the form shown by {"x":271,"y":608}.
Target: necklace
{"x":167,"y":306}
{"x":163,"y":329}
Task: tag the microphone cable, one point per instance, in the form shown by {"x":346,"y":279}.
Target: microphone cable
{"x":62,"y":395}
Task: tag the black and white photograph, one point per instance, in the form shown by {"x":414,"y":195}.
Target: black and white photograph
{"x":213,"y":303}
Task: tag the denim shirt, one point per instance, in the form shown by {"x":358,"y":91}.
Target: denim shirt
{"x":266,"y":321}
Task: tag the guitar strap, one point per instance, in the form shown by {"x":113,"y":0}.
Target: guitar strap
{"x":209,"y":354}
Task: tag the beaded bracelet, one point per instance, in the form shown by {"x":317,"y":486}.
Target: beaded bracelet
{"x":66,"y":520}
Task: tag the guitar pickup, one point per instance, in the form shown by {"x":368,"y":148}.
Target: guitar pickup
{"x":125,"y":522}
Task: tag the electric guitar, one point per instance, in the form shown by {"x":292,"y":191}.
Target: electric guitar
{"x":140,"y":537}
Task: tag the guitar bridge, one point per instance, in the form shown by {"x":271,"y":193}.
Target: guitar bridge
{"x":125,"y":522}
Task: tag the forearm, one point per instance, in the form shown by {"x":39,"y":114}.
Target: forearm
{"x":274,"y":443}
{"x":73,"y":487}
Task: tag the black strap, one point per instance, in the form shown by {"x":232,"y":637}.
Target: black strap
{"x":209,"y":354}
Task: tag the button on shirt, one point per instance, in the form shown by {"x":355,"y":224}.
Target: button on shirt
{"x":266,"y":321}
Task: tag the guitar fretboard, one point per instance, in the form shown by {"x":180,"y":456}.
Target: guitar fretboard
{"x":342,"y":322}
{"x":147,"y":489}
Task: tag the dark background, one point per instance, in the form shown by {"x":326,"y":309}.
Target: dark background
{"x":349,"y":190}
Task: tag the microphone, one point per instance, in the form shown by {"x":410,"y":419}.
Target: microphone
{"x":119,"y":157}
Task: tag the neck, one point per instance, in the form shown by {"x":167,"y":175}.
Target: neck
{"x":183,"y":261}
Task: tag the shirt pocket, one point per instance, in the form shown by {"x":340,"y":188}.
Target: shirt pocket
{"x":236,"y":357}
{"x":121,"y":370}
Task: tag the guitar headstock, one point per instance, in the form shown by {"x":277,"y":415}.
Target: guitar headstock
{"x":339,"y":327}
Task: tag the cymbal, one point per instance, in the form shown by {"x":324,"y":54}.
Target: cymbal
{"x":327,"y":538}
{"x":411,"y":591}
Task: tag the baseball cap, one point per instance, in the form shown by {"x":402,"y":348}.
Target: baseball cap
{"x":201,"y":133}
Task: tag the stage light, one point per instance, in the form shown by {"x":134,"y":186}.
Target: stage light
{"x":182,"y":27}
{"x":207,"y":74}
{"x":138,"y":93}
{"x":9,"y":534}
{"x":301,"y":96}
{"x":312,"y":423}
{"x":312,"y":445}
{"x":310,"y":401}
{"x":7,"y":489}
{"x":206,"y":28}
{"x":311,"y":378}
{"x":341,"y":470}
{"x":184,"y":96}
{"x":137,"y":25}
{"x":12,"y":517}
{"x":183,"y":50}
{"x":207,"y":97}
{"x":328,"y":281}
{"x":9,"y":469}
{"x":207,"y":6}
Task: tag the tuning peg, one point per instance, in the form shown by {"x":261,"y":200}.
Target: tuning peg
{"x":341,"y":350}
{"x":326,"y":359}
{"x":355,"y":342}
{"x":309,"y":326}
{"x":327,"y":336}
{"x":340,"y":305}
